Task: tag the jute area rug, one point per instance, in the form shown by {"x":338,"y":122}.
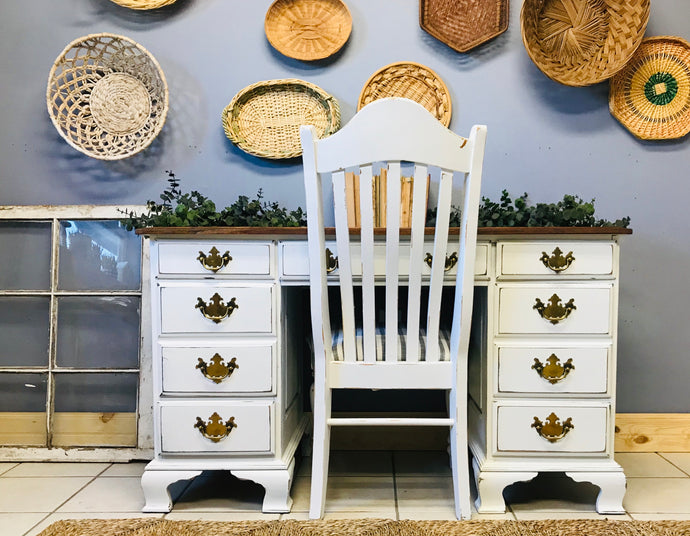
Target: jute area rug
{"x":365,"y":527}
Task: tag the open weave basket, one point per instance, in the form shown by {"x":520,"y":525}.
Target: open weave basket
{"x":411,"y":81}
{"x":651,"y":95}
{"x":263,"y":119}
{"x":143,"y":4}
{"x":463,"y":24}
{"x":107,"y":96}
{"x":308,"y":29}
{"x":582,"y":42}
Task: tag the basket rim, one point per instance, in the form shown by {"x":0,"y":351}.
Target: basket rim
{"x":327,"y":101}
{"x":362,"y":92}
{"x":165,"y":97}
{"x":157,"y":4}
{"x":290,"y":54}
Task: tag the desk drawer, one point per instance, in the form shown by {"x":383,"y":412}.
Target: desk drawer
{"x":209,"y":257}
{"x":295,"y":259}
{"x":183,"y":426}
{"x":552,"y":258}
{"x":553,"y":370}
{"x":572,"y":428}
{"x":218,"y":370}
{"x":183,"y":309}
{"x":538,"y":308}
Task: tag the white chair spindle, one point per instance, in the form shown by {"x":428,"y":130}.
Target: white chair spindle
{"x":367,"y":240}
{"x":392,"y":260}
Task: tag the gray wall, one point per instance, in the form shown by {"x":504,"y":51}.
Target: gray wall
{"x":544,"y":138}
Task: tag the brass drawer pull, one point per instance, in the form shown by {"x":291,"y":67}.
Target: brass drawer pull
{"x":451,"y":261}
{"x":215,"y":429}
{"x":331,"y":261}
{"x":213,"y":261}
{"x":216,"y":310}
{"x":557,"y":262}
{"x":555,"y":312}
{"x":553,"y":430}
{"x":553,"y":371}
{"x":217,"y":371}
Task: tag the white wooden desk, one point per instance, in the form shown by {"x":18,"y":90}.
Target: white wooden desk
{"x":228,"y":348}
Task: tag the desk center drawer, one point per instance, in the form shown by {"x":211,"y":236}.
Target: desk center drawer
{"x":216,"y":308}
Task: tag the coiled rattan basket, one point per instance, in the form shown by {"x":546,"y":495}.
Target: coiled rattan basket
{"x":143,"y":4}
{"x":107,"y":96}
{"x":263,"y":119}
{"x":582,"y":42}
{"x":651,"y":95}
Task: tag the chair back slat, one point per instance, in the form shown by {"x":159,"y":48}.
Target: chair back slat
{"x":344,"y":266}
{"x":366,"y":183}
{"x":392,"y":259}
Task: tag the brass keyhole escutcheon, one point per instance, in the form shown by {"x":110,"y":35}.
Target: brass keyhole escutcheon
{"x":217,"y":309}
{"x":553,"y":430}
{"x":554,"y":312}
{"x":451,"y":260}
{"x":214,"y":261}
{"x":215,"y":429}
{"x":331,"y":261}
{"x":553,"y":371}
{"x":217,"y":371}
{"x":556,"y":261}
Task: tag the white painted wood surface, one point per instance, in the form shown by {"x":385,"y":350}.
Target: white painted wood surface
{"x":523,"y":258}
{"x":247,"y":258}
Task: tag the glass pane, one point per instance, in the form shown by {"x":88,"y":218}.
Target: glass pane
{"x":96,"y":392}
{"x":24,"y":255}
{"x":24,"y":329}
{"x":98,"y":332}
{"x":23,"y":409}
{"x":98,"y":255}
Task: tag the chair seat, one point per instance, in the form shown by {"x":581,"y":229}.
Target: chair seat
{"x":338,"y":350}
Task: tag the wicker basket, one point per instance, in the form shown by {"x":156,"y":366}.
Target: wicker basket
{"x":651,"y":95}
{"x":582,"y":42}
{"x":264,"y":118}
{"x":463,"y":24}
{"x":308,"y":29}
{"x":143,"y":4}
{"x":412,"y":81}
{"x":107,"y":96}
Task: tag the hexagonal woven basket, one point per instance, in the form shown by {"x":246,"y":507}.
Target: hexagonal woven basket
{"x":582,"y":42}
{"x":143,"y":4}
{"x":107,"y":96}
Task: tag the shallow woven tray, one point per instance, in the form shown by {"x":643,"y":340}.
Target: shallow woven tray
{"x":107,"y":96}
{"x":463,"y":24}
{"x":582,"y":42}
{"x":651,"y":95}
{"x":308,"y":29}
{"x":412,"y":81}
{"x":143,"y":4}
{"x":263,"y":119}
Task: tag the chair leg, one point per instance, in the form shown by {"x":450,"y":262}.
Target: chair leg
{"x":459,"y":460}
{"x":320,"y":451}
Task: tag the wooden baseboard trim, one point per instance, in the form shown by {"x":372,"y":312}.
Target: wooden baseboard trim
{"x":652,"y":432}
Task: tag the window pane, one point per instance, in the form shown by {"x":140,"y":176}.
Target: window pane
{"x":24,"y":329}
{"x":22,"y":409}
{"x":98,"y":332}
{"x":98,"y":255}
{"x":24,"y":255}
{"x":96,"y":392}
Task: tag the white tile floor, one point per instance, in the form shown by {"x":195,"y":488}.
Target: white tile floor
{"x":397,"y":485}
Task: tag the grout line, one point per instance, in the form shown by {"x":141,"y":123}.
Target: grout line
{"x":8,"y":469}
{"x":673,"y":464}
{"x":38,"y":523}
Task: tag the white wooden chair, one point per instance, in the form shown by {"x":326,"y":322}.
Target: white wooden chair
{"x":389,"y":356}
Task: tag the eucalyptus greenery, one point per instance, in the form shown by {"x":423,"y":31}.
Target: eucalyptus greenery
{"x":192,"y":209}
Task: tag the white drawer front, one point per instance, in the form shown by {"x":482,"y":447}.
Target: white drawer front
{"x":295,"y":259}
{"x":251,"y":434}
{"x":516,"y":432}
{"x":222,"y":370}
{"x":180,"y":314}
{"x":517,"y":313}
{"x":557,"y":370}
{"x":571,"y":258}
{"x":185,"y":257}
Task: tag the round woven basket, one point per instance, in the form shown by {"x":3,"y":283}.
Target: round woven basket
{"x":651,"y":95}
{"x":308,"y":29}
{"x":107,"y":96}
{"x":143,"y":4}
{"x":264,"y":118}
{"x":582,"y":42}
{"x":411,"y":81}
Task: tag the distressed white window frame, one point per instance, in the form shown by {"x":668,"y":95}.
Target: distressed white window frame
{"x":144,"y":446}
